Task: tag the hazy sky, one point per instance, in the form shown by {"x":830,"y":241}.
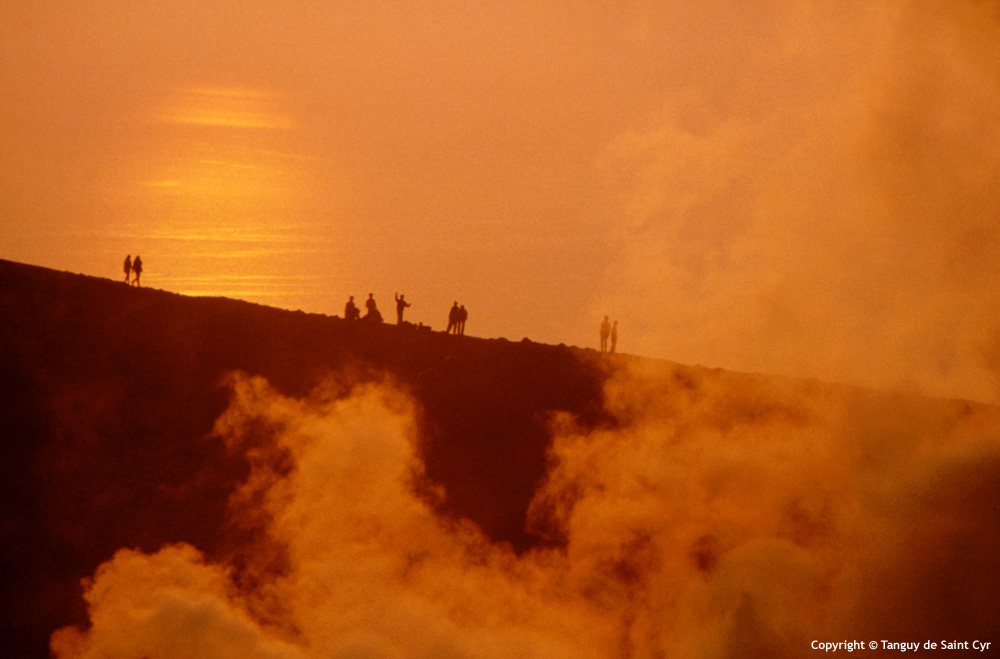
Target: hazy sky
{"x":809,"y":188}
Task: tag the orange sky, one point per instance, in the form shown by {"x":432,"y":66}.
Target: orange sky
{"x":791,"y":187}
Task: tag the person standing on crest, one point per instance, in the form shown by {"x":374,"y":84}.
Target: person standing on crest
{"x":401,"y":304}
{"x":605,"y":331}
{"x":136,"y":269}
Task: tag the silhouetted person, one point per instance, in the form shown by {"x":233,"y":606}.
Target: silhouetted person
{"x":453,"y":319}
{"x":605,"y":331}
{"x":373,"y":314}
{"x":351,"y":310}
{"x":128,"y":267}
{"x":614,"y":335}
{"x":136,"y":269}
{"x":401,"y":304}
{"x":462,"y":316}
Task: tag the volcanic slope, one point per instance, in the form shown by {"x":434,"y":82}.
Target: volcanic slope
{"x":110,"y":391}
{"x":110,"y":395}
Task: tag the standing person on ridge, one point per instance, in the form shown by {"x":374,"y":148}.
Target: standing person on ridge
{"x":614,"y":335}
{"x":462,"y":316}
{"x":605,"y":331}
{"x":401,"y":304}
{"x":137,"y":269}
{"x":452,"y":319}
{"x":128,"y":267}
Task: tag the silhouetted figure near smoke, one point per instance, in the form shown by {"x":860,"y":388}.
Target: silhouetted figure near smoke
{"x":351,"y":311}
{"x":453,"y":319}
{"x":128,"y":267}
{"x":373,"y":314}
{"x":136,"y":269}
{"x":462,"y":316}
{"x":401,"y":304}
{"x":605,"y":331}
{"x":614,"y":335}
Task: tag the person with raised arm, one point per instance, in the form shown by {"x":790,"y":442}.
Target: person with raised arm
{"x":401,"y":304}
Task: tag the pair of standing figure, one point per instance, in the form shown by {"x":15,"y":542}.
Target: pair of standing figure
{"x":133,"y":268}
{"x":608,"y":331}
{"x":456,"y":319}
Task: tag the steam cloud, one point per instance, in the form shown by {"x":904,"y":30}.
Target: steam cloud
{"x":824,"y":204}
{"x":723,"y":516}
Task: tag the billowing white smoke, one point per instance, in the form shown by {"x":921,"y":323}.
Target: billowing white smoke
{"x":725,"y":516}
{"x":371,"y":570}
{"x":735,"y":515}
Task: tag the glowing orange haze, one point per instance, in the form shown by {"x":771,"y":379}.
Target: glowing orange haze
{"x":724,"y":517}
{"x":797,"y":187}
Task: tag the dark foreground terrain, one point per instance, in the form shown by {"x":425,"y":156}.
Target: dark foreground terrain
{"x":110,"y":394}
{"x":766,"y":497}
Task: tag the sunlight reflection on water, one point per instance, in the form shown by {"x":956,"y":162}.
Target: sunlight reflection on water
{"x":219,"y":201}
{"x":284,"y":268}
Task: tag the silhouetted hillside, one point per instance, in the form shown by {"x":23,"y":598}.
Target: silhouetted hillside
{"x":110,"y":393}
{"x":643,"y":469}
